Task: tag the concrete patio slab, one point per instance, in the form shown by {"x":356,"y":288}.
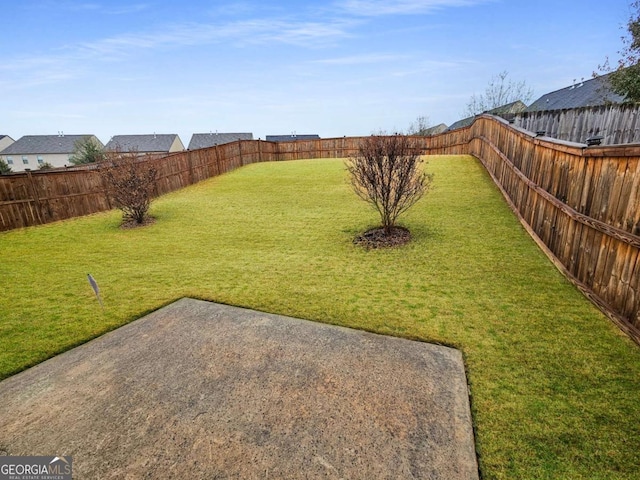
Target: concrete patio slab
{"x":202,"y":390}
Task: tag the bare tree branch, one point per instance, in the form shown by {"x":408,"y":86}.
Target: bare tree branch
{"x":499,"y":92}
{"x":419,"y":126}
{"x":386,"y":173}
{"x":130,"y":181}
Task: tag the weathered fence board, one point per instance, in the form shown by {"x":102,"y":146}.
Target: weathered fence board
{"x":580,"y":203}
{"x":617,"y":124}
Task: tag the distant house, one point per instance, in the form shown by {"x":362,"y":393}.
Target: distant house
{"x":586,"y":93}
{"x":465,"y":122}
{"x":31,"y":151}
{"x":586,"y":111}
{"x":204,"y":140}
{"x":434,"y":130}
{"x":143,"y":144}
{"x":507,"y":111}
{"x":290,"y":138}
{"x":5,"y":141}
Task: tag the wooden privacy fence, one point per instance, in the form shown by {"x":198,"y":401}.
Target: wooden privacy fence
{"x":34,"y":198}
{"x":582,"y":205}
{"x":615,"y":123}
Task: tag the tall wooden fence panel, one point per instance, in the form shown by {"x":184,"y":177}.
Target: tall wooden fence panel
{"x":582,"y":205}
{"x":617,"y":123}
{"x":34,"y":198}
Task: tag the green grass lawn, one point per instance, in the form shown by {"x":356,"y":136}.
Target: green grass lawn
{"x":555,"y":388}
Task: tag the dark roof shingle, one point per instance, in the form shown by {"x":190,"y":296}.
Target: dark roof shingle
{"x":142,"y":143}
{"x":290,"y":138}
{"x":508,"y":109}
{"x":204,"y":140}
{"x":47,"y":144}
{"x":587,"y":93}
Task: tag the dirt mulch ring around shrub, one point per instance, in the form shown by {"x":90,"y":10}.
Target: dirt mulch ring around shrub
{"x":377,"y":238}
{"x":131,"y":223}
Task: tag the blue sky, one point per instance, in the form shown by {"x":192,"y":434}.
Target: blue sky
{"x":342,"y":67}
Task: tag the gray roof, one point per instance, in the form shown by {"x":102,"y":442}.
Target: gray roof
{"x":435,"y":130}
{"x":142,"y":143}
{"x":204,"y":140}
{"x":48,"y":144}
{"x":513,"y":107}
{"x":508,"y":109}
{"x":465,"y":122}
{"x":290,"y":138}
{"x":587,"y":93}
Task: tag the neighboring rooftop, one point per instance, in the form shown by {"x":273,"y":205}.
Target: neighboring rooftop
{"x":507,"y":110}
{"x":5,"y":141}
{"x":204,"y":140}
{"x":585,"y":93}
{"x":290,"y":138}
{"x":150,"y":143}
{"x":465,"y":122}
{"x":39,"y":144}
{"x":434,"y":130}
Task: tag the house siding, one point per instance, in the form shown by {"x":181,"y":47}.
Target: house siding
{"x":17,"y":164}
{"x":176,"y":146}
{"x":5,"y":141}
{"x":52,"y":149}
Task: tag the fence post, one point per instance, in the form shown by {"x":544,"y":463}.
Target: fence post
{"x":190,"y":160}
{"x":106,"y":188}
{"x":218,"y":160}
{"x":36,"y":198}
{"x":240,"y":152}
{"x":209,"y":163}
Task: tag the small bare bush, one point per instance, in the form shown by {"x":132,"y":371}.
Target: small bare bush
{"x":130,"y":180}
{"x":386,"y":172}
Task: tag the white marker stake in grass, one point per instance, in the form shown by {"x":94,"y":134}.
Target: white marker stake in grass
{"x":94,"y":285}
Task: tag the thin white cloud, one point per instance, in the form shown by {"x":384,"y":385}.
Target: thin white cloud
{"x":362,"y":59}
{"x":125,"y":10}
{"x":74,"y":60}
{"x":233,"y":9}
{"x":375,"y":8}
{"x":96,"y":7}
{"x":246,"y":32}
{"x":40,"y":113}
{"x":32,"y":71}
{"x":427,"y":66}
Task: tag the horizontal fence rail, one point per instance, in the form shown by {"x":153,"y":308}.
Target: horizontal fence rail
{"x":582,"y":205}
{"x":33,"y":198}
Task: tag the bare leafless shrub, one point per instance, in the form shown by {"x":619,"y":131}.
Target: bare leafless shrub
{"x":386,"y":172}
{"x":500,"y":91}
{"x":130,"y":181}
